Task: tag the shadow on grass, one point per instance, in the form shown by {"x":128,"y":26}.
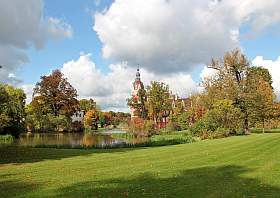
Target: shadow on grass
{"x":20,"y":155}
{"x":13,"y":188}
{"x":224,"y":181}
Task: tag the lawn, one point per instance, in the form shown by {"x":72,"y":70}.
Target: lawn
{"x":241,"y":166}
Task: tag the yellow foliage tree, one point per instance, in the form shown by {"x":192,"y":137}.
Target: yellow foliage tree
{"x":91,"y":119}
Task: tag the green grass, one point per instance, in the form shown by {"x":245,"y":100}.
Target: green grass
{"x":260,"y":130}
{"x":241,"y":166}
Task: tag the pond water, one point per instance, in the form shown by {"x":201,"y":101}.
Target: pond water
{"x":101,"y":139}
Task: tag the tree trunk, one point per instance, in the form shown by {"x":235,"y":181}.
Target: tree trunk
{"x":246,"y":124}
{"x":263,"y":125}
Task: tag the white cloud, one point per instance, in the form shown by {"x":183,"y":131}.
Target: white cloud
{"x":112,"y":89}
{"x":273,"y":68}
{"x":23,"y":25}
{"x":171,"y":36}
{"x":207,"y":73}
{"x":28,"y":90}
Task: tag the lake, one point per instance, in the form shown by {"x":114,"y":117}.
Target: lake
{"x":92,"y":139}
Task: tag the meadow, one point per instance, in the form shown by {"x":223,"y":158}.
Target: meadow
{"x":239,"y":166}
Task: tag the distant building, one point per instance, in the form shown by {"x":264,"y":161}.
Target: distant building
{"x":78,"y":116}
{"x":137,"y":86}
{"x":176,"y":102}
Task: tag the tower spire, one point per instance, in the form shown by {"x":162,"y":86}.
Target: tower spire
{"x":137,"y":73}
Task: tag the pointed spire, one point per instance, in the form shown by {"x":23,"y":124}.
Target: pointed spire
{"x":137,"y":73}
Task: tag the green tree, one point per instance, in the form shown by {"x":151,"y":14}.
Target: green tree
{"x":87,"y":105}
{"x":230,"y":82}
{"x":12,"y":111}
{"x":158,"y":101}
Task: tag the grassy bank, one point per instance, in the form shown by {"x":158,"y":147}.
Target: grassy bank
{"x":260,"y":130}
{"x":242,"y":166}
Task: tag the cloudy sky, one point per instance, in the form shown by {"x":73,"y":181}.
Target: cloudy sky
{"x":97,"y":44}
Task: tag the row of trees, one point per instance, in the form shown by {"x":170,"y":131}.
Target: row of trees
{"x":55,"y":101}
{"x":235,"y":99}
{"x":53,"y":104}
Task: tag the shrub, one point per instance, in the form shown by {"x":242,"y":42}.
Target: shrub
{"x":6,"y":139}
{"x":199,"y":128}
{"x":142,"y":128}
{"x":220,"y":133}
{"x":149,"y":127}
{"x":173,"y":126}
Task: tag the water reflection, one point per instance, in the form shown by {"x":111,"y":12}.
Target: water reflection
{"x":72,"y":139}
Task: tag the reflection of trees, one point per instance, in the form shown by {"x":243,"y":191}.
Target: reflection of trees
{"x":89,"y":140}
{"x":71,"y":139}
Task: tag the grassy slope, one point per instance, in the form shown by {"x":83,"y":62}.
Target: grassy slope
{"x":244,"y":166}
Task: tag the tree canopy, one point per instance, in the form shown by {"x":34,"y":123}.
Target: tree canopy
{"x":57,"y":94}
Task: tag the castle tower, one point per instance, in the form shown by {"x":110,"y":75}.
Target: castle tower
{"x":137,"y":86}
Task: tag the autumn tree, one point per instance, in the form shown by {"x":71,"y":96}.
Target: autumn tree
{"x":91,"y":119}
{"x":158,"y":101}
{"x":230,"y":82}
{"x":57,"y":93}
{"x":260,"y":95}
{"x":249,"y":88}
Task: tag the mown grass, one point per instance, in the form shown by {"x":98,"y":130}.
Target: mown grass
{"x":242,"y":166}
{"x":260,"y":130}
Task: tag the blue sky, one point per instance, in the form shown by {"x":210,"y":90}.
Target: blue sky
{"x":79,"y":14}
{"x":98,"y":43}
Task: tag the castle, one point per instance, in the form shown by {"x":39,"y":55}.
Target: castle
{"x":175,"y":101}
{"x":137,"y":86}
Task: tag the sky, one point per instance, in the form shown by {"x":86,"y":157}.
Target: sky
{"x":97,"y":44}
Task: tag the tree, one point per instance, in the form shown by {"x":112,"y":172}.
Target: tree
{"x":260,"y":95}
{"x":138,"y":103}
{"x":87,"y":105}
{"x":158,"y":101}
{"x":57,"y":93}
{"x":260,"y":73}
{"x":230,"y":82}
{"x":91,"y":119}
{"x":250,"y":88}
{"x":12,"y":111}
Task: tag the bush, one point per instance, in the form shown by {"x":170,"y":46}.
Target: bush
{"x":220,"y":121}
{"x":220,"y":133}
{"x":179,"y":121}
{"x":149,"y":127}
{"x":183,"y":120}
{"x":142,"y":128}
{"x":173,"y":126}
{"x":6,"y":139}
{"x":199,"y":128}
